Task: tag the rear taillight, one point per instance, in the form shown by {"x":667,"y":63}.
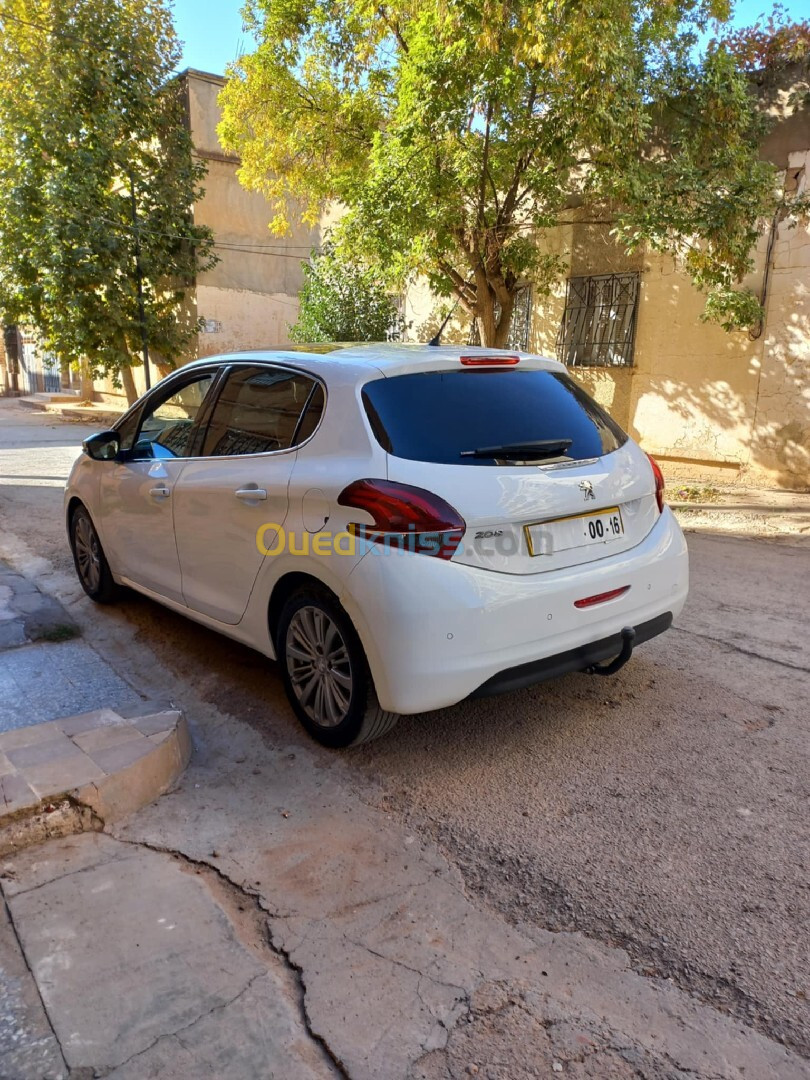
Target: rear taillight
{"x":489,"y":361}
{"x":404,"y":518}
{"x":659,"y":483}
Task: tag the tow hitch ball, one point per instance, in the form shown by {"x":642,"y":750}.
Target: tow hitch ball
{"x":628,"y":637}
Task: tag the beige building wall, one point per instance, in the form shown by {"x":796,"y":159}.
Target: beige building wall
{"x":709,"y":404}
{"x":250,"y":297}
{"x":728,"y":406}
{"x":780,"y":447}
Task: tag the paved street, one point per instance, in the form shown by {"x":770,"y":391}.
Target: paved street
{"x":663,"y":812}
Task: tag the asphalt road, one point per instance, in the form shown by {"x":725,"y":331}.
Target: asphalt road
{"x":664,"y":809}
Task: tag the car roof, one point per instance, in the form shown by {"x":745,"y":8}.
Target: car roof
{"x":373,"y":359}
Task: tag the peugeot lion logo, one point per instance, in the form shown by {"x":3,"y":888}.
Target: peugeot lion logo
{"x":586,"y":487}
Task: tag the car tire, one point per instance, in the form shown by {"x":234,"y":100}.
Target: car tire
{"x":325,"y":671}
{"x":91,"y":564}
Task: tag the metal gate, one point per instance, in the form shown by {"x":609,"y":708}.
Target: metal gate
{"x":40,"y":369}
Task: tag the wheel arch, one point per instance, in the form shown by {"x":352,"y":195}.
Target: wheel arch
{"x":73,"y":503}
{"x":283,"y":590}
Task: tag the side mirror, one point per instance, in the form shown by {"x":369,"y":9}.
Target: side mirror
{"x":103,"y":446}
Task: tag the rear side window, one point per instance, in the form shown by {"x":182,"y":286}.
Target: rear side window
{"x":258,"y":411}
{"x":312,"y":414}
{"x":440,"y":416}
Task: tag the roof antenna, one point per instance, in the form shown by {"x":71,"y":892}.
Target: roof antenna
{"x":436,"y":340}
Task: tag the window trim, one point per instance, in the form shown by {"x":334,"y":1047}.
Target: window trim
{"x":219,"y":386}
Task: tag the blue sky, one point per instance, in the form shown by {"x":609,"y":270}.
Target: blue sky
{"x":211,"y":32}
{"x":213,"y":36}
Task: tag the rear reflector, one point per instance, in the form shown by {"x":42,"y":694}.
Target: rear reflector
{"x":600,"y":598}
{"x":489,"y":361}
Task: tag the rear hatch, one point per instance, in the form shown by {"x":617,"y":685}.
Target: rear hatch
{"x":542,"y":476}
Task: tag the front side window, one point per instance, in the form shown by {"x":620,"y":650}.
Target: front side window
{"x":261,"y":410}
{"x":166,"y":423}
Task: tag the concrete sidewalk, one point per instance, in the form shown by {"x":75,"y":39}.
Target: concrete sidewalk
{"x":731,"y":498}
{"x":67,"y":407}
{"x":59,"y":775}
{"x":142,"y":971}
{"x":315,"y":943}
{"x":750,"y":511}
{"x":46,"y":670}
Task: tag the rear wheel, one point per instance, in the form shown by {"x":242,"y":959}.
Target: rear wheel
{"x":89,"y":559}
{"x":325,"y":671}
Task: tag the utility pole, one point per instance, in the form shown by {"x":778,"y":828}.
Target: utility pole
{"x":139,"y":283}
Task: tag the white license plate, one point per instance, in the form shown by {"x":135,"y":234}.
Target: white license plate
{"x":581,"y":530}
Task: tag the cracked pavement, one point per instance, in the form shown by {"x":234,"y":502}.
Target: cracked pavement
{"x":560,"y":881}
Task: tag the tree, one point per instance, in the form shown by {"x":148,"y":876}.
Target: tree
{"x":456,"y":133}
{"x":342,"y":300}
{"x":771,"y":43}
{"x":97,"y":182}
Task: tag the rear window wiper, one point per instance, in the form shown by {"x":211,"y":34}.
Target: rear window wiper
{"x":525,"y":451}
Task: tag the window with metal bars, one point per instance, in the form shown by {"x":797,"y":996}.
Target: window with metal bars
{"x":520,"y":325}
{"x":598,"y":328}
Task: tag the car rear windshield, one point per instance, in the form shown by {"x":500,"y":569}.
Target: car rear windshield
{"x":440,"y":416}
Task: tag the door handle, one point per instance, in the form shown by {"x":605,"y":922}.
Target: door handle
{"x":160,"y":492}
{"x":250,"y":493}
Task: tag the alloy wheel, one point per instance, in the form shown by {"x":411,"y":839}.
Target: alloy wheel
{"x":88,"y":554}
{"x":319,"y":667}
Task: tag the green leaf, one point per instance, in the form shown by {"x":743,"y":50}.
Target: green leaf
{"x":457,"y":134}
{"x":89,"y":114}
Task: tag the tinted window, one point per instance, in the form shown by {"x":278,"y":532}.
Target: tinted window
{"x":166,"y":423}
{"x":436,"y":416}
{"x":258,"y":411}
{"x":312,"y":414}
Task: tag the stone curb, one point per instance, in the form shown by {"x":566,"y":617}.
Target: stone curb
{"x":74,"y":412}
{"x":741,"y":508}
{"x":83,"y":772}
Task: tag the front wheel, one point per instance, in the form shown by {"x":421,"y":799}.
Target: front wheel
{"x":325,"y":671}
{"x":89,"y":559}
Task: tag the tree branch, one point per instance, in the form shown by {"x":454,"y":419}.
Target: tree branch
{"x":394,"y":28}
{"x":484,"y":168}
{"x":460,"y":287}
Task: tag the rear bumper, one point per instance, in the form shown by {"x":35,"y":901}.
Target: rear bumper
{"x":578,"y":659}
{"x":436,"y":632}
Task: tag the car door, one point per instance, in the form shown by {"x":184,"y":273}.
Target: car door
{"x":239,"y":484}
{"x":137,"y":491}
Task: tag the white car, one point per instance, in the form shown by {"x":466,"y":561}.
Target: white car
{"x":400,"y":526}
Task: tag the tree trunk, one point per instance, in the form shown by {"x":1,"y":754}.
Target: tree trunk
{"x":494,"y":326}
{"x":85,"y":381}
{"x":486,"y":317}
{"x":128,"y":380}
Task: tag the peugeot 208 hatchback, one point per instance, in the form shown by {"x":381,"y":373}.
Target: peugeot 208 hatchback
{"x":401,"y":527}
